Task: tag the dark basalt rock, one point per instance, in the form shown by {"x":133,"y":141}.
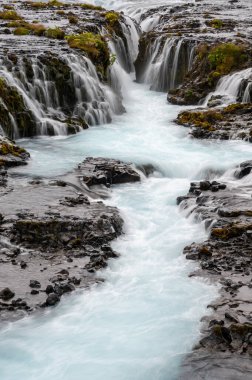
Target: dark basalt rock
{"x":6,"y":294}
{"x":100,"y":171}
{"x":231,"y":122}
{"x":66,"y":236}
{"x":35,"y":284}
{"x":52,"y":299}
{"x":225,"y":256}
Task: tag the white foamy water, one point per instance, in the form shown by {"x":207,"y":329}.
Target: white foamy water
{"x":143,"y":320}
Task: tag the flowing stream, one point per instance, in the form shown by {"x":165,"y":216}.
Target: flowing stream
{"x":141,"y":322}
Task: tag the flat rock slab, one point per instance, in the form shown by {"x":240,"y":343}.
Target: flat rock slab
{"x":102,"y":171}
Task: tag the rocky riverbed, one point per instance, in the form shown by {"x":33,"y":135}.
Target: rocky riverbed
{"x":62,"y":68}
{"x":225,"y":257}
{"x":56,"y":236}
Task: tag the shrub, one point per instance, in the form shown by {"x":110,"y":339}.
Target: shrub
{"x":226,"y":57}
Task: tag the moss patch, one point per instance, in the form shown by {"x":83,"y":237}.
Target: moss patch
{"x":203,"y":119}
{"x":55,"y":33}
{"x":96,"y":48}
{"x":226,"y":57}
{"x":10,"y":14}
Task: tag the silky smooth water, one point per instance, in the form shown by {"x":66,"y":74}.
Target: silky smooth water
{"x":141,"y":322}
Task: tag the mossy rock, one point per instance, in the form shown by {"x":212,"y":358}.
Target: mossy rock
{"x":95,"y":47}
{"x":230,"y":231}
{"x":11,"y":154}
{"x":11,"y":102}
{"x":55,"y":33}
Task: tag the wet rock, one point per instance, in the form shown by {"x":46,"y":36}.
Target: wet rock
{"x":231,"y":316}
{"x":231,"y":122}
{"x":225,"y":256}
{"x":6,"y":294}
{"x":34,"y":292}
{"x":52,"y":299}
{"x":49,"y":289}
{"x":10,"y":155}
{"x":100,"y":171}
{"x":23,"y":264}
{"x":35,"y":284}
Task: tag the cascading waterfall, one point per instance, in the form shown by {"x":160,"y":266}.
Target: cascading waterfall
{"x":247,"y":96}
{"x":78,"y":94}
{"x":234,"y":87}
{"x":42,"y":98}
{"x":168,"y":62}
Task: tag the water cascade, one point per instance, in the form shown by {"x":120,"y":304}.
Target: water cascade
{"x":62,"y":91}
{"x":143,"y":320}
{"x":167,"y":63}
{"x":234,"y":87}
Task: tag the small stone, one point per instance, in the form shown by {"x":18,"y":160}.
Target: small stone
{"x":49,"y":289}
{"x":6,"y":294}
{"x":35,"y":284}
{"x":205,"y":185}
{"x":67,"y":288}
{"x":214,"y":188}
{"x":34,"y":291}
{"x":23,"y":264}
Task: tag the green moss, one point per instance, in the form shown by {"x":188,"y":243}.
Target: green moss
{"x":55,"y":33}
{"x":241,"y":329}
{"x":40,"y":4}
{"x":226,"y":57}
{"x":10,"y":15}
{"x":73,"y":19}
{"x":91,"y":7}
{"x":216,"y":23}
{"x":203,"y":119}
{"x":231,"y":231}
{"x":11,"y":102}
{"x":21,"y":31}
{"x":9,"y":148}
{"x":23,"y":27}
{"x":95,"y":46}
{"x":112,"y":17}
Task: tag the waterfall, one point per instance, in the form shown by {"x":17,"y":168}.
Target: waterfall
{"x":175,"y":64}
{"x":233,"y":87}
{"x":62,"y":92}
{"x":247,"y":97}
{"x":168,"y":63}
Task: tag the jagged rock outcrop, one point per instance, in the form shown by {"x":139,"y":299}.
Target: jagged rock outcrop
{"x":191,"y":49}
{"x":225,"y":256}
{"x":231,"y":122}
